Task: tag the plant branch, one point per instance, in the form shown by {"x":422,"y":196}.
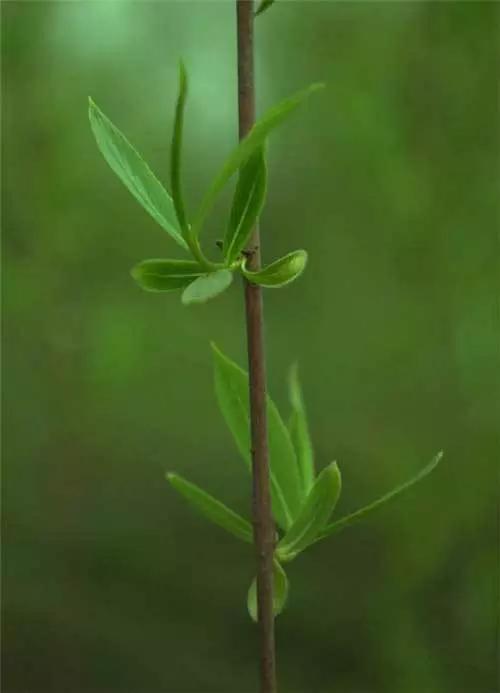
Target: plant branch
{"x":261,"y":496}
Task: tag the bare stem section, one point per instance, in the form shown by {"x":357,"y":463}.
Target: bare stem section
{"x":261,"y":498}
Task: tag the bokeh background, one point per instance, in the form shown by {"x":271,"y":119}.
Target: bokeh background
{"x":390,"y":179}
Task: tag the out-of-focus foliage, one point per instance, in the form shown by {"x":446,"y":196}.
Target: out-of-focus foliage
{"x":389,"y":180}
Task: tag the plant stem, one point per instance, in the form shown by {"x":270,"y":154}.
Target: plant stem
{"x":261,"y":497}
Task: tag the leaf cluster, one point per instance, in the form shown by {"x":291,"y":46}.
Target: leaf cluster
{"x":199,"y":277}
{"x":302,"y":499}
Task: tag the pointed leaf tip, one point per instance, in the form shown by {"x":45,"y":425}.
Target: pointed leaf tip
{"x":211,"y":508}
{"x":134,"y":172}
{"x":347,"y":520}
{"x":274,"y":117}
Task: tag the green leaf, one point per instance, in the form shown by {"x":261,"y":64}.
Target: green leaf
{"x":175,"y":159}
{"x":299,"y":431}
{"x":248,"y":201}
{"x":134,"y":173}
{"x":231,"y":388}
{"x":279,"y":273}
{"x":212,"y":509}
{"x":338,"y":525}
{"x":314,"y":514}
{"x":280,"y":592}
{"x":166,"y":275}
{"x":264,"y":5}
{"x":255,"y":139}
{"x":207,"y":286}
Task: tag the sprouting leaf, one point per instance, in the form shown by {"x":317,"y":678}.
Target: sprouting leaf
{"x":255,"y":138}
{"x":248,"y":200}
{"x":299,"y":431}
{"x":166,"y":275}
{"x":134,"y":172}
{"x":207,"y":286}
{"x":314,"y":514}
{"x":338,"y":525}
{"x":263,"y":6}
{"x":278,"y":273}
{"x":175,"y":159}
{"x":280,"y":592}
{"x":231,"y":388}
{"x":211,"y":508}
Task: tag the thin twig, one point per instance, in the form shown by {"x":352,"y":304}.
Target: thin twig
{"x":261,"y":496}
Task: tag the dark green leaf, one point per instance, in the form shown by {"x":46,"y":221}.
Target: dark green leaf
{"x":175,"y":159}
{"x":212,"y":509}
{"x":279,"y":273}
{"x":133,"y":171}
{"x":255,"y":139}
{"x":299,"y":431}
{"x":264,"y":5}
{"x":166,"y":275}
{"x":360,"y":514}
{"x":314,"y":513}
{"x":280,"y":592}
{"x":207,"y":286}
{"x":231,"y":387}
{"x":248,"y":200}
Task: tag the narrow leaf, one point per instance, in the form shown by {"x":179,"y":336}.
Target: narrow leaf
{"x":255,"y":138}
{"x":279,"y":273}
{"x":175,"y":159}
{"x":231,"y":388}
{"x":314,"y":514}
{"x":338,"y":525}
{"x":280,"y":593}
{"x":166,"y":275}
{"x":207,"y":286}
{"x":134,"y":173}
{"x":212,"y":509}
{"x":248,"y":200}
{"x":299,"y":431}
{"x":263,"y":6}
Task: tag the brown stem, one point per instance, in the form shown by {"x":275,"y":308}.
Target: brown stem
{"x":261,"y":497}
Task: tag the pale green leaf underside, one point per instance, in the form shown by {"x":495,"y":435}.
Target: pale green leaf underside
{"x":247,"y":204}
{"x":166,"y":275}
{"x":207,"y":286}
{"x":211,"y":508}
{"x":343,"y":522}
{"x":255,"y":138}
{"x":280,"y":272}
{"x":314,"y":513}
{"x":134,"y":172}
{"x":231,"y":388}
{"x":280,"y":593}
{"x":299,"y":430}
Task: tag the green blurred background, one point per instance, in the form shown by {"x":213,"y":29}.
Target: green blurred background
{"x":390,"y":180}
